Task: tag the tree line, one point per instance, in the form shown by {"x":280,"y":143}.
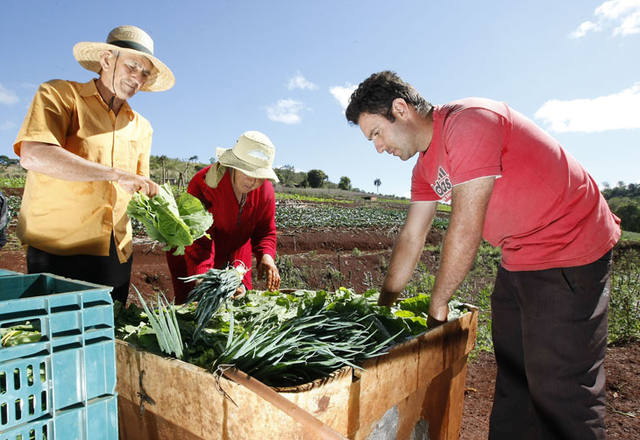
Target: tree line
{"x":624,"y":201}
{"x":310,"y":179}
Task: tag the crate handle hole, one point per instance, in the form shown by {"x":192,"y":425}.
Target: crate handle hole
{"x":43,"y":372}
{"x":4,"y":416}
{"x":30,"y":375}
{"x":18,"y":409}
{"x":3,"y":382}
{"x":16,"y":379}
{"x":32,"y":404}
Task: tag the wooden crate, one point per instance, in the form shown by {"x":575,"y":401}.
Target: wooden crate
{"x":421,"y":380}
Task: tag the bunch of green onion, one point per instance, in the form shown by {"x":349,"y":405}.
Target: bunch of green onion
{"x":164,"y":323}
{"x":214,"y":288}
{"x":313,"y":344}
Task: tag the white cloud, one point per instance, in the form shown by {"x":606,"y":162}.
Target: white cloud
{"x":286,"y":111}
{"x":7,"y":96}
{"x":7,"y":125}
{"x":342,"y":94}
{"x":630,"y":25}
{"x":300,"y":82}
{"x":622,"y":15}
{"x":584,"y":28}
{"x":612,"y":112}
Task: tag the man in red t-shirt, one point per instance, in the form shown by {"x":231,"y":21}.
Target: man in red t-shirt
{"x":512,"y":184}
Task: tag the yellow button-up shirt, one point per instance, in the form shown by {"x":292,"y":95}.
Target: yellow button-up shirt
{"x":67,"y":217}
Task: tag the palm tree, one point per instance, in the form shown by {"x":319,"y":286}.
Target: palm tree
{"x":377,"y":183}
{"x":163,"y":160}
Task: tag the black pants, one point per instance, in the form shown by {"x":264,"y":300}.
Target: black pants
{"x":107,"y":271}
{"x":549,"y":331}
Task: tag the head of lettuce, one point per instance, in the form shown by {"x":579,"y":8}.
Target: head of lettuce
{"x":175,"y":222}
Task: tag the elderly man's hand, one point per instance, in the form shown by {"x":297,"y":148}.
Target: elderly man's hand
{"x":267,"y":269}
{"x":133,"y":182}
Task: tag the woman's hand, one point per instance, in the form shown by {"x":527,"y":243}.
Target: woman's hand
{"x":267,"y":269}
{"x":240,"y":291}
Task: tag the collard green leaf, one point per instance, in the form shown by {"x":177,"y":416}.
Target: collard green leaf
{"x":177,"y":224}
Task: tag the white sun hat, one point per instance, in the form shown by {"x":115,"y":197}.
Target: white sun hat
{"x":130,"y":39}
{"x":253,"y":154}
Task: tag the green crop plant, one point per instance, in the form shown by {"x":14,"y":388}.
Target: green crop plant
{"x":291,"y":276}
{"x":624,"y":306}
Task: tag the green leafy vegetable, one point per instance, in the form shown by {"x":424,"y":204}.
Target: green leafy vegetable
{"x":285,"y":339}
{"x":175,"y":223}
{"x":20,"y":334}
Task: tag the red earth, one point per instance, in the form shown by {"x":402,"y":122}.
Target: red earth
{"x":331,"y":257}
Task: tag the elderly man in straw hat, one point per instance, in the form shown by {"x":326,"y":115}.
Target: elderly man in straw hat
{"x":237,"y":190}
{"x":86,"y":152}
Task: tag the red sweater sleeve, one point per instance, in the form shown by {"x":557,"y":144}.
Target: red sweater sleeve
{"x":264,"y":238}
{"x":200,"y":256}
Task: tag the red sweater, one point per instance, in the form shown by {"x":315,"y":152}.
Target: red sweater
{"x":234,"y":235}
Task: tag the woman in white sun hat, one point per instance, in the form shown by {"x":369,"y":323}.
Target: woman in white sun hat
{"x":238,"y":191}
{"x":86,"y":152}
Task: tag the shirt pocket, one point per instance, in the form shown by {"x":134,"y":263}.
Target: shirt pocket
{"x":131,"y":156}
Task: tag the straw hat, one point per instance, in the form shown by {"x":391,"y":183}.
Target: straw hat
{"x":253,"y":155}
{"x":130,"y":39}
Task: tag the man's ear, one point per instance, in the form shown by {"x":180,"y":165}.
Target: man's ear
{"x":400,"y":108}
{"x":105,"y":60}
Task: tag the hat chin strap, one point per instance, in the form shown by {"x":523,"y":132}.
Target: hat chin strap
{"x":113,"y":81}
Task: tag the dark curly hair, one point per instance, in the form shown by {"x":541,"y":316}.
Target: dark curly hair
{"x":376,"y":94}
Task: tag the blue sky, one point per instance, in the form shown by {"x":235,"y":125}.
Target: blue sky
{"x":286,"y":68}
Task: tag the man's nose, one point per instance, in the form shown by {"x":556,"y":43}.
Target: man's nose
{"x":139,"y":77}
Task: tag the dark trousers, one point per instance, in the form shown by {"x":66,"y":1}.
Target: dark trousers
{"x":549,"y":331}
{"x":107,"y":271}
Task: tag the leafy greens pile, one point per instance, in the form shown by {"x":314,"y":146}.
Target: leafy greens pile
{"x":289,"y":339}
{"x":176,"y":223}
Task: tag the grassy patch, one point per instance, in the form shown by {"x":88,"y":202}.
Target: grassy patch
{"x":624,"y":307}
{"x":630,"y":236}
{"x":307,"y":198}
{"x":12,"y":182}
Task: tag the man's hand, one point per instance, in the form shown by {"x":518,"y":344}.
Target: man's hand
{"x":267,"y":269}
{"x":133,"y":182}
{"x":433,"y":322}
{"x":387,"y":298}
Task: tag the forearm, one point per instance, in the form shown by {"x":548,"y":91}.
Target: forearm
{"x":404,"y":259}
{"x":459,"y":249}
{"x":460,"y":245}
{"x":407,"y":251}
{"x":57,"y":162}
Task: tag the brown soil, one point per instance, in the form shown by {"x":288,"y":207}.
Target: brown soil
{"x":328,"y":258}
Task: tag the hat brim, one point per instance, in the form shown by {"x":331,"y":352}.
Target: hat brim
{"x":228,"y":159}
{"x":88,"y":55}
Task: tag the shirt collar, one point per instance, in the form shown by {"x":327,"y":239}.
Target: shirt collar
{"x":89,"y":89}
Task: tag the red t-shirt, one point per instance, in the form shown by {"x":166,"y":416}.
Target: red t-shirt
{"x":234,"y":234}
{"x":545,"y":210}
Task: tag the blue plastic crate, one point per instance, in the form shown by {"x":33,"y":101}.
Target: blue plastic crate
{"x":62,"y":386}
{"x":5,"y":272}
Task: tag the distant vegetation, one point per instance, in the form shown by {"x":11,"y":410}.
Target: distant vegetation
{"x":624,"y":201}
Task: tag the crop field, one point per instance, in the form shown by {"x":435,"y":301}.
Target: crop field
{"x":326,"y":242}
